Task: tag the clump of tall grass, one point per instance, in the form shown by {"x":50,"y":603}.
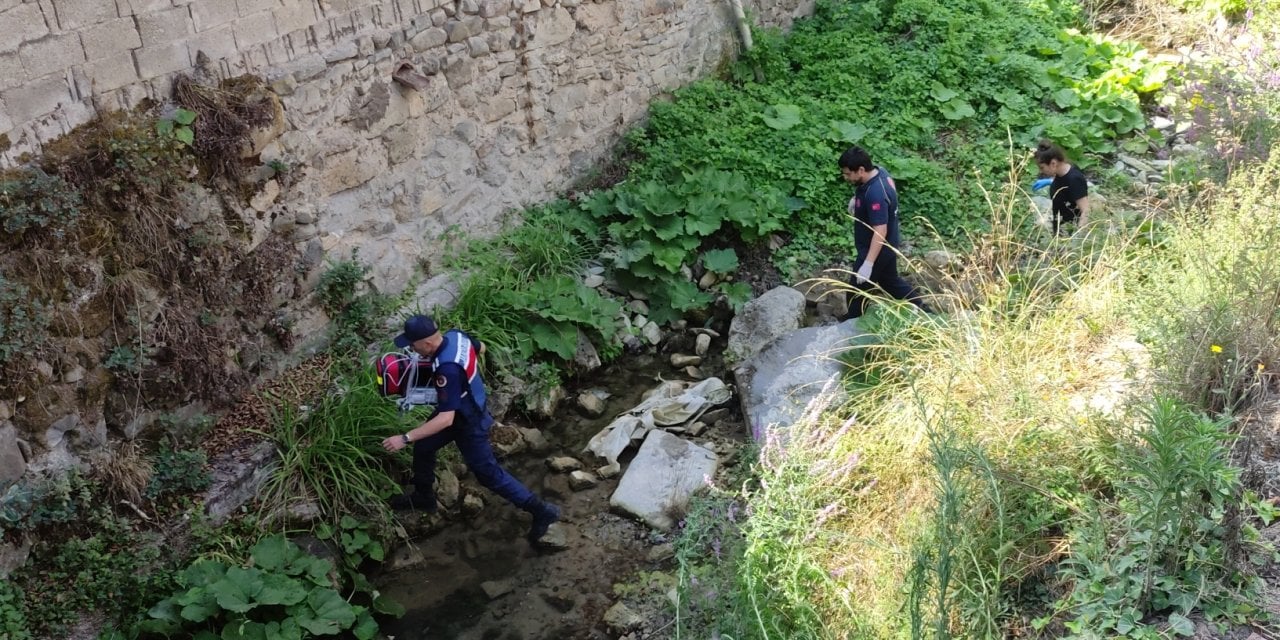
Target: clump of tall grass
{"x":331,"y":454}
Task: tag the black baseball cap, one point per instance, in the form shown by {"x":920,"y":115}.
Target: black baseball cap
{"x":416,"y":328}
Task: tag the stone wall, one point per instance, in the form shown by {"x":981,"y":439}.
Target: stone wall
{"x":523,"y":95}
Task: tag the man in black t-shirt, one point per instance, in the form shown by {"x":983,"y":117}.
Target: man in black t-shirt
{"x":1069,"y":189}
{"x":874,"y":207}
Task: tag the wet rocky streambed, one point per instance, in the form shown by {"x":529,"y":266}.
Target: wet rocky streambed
{"x":468,"y":571}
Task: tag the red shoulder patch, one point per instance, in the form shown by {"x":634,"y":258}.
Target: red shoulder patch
{"x":875,"y":206}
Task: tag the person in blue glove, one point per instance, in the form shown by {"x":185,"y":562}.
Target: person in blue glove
{"x":461,"y":417}
{"x":874,"y":207}
{"x":1068,"y":188}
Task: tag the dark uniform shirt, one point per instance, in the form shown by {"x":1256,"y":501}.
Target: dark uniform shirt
{"x":874,"y":203}
{"x":1066,"y":190}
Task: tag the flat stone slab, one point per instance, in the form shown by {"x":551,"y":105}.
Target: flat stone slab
{"x":777,"y":384}
{"x":666,"y":472}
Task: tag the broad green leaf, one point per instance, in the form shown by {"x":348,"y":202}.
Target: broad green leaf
{"x":560,"y":338}
{"x":365,"y":627}
{"x":330,"y":610}
{"x":185,"y":135}
{"x":281,"y":589}
{"x":383,"y":604}
{"x":942,"y":93}
{"x":165,"y":610}
{"x":238,"y":590}
{"x":738,"y":293}
{"x":200,"y":611}
{"x":720,"y":260}
{"x":375,"y":551}
{"x":164,"y":127}
{"x":781,"y":116}
{"x":667,"y":227}
{"x":1180,"y":625}
{"x":705,"y":214}
{"x":203,"y":572}
{"x":273,"y":553}
{"x":685,"y":295}
{"x":847,"y":131}
{"x":669,"y":257}
{"x":957,"y":109}
{"x":1066,"y":98}
{"x":184,"y":116}
{"x":348,"y":522}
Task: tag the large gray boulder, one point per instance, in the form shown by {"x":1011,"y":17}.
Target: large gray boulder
{"x":666,"y":472}
{"x":779,"y":382}
{"x":776,"y":313}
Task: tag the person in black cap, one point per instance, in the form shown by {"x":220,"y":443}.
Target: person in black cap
{"x":461,"y":417}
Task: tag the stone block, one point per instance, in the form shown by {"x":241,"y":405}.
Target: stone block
{"x":346,"y":170}
{"x":21,"y":24}
{"x":216,"y":43}
{"x":158,"y":61}
{"x":294,"y":15}
{"x":12,"y":73}
{"x":428,"y":39}
{"x":109,"y":73}
{"x":492,"y":8}
{"x":208,"y":14}
{"x":37,"y":98}
{"x":164,"y":27}
{"x":457,"y":30}
{"x":251,"y":7}
{"x":255,"y":29}
{"x":77,"y":14}
{"x":141,"y":7}
{"x":54,"y":53}
{"x":553,"y":28}
{"x":12,"y":463}
{"x":477,"y":46}
{"x":666,"y":472}
{"x":112,"y":36}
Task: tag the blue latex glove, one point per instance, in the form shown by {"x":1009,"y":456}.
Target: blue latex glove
{"x":1041,"y":184}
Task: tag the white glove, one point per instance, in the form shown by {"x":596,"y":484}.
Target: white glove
{"x":864,"y":272}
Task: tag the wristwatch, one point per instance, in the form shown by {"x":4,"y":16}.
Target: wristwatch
{"x":405,"y":438}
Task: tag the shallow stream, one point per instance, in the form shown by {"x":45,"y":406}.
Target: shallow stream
{"x":533,"y":593}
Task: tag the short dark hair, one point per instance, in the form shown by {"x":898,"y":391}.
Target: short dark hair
{"x":855,"y":158}
{"x":1047,"y":152}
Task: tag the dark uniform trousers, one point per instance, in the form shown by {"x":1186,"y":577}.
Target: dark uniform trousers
{"x":884,"y":280}
{"x":470,"y":430}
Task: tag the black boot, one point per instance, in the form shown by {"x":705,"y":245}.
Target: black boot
{"x":419,"y":500}
{"x":544,"y":515}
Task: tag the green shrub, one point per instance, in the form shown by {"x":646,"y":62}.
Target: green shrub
{"x":178,"y":472}
{"x":281,"y":592}
{"x":354,"y":311}
{"x":31,"y":198}
{"x":24,"y":321}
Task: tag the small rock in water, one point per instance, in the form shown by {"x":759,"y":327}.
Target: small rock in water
{"x":620,"y":618}
{"x":705,"y":331}
{"x":582,"y":480}
{"x":682,"y":360}
{"x":707,"y":280}
{"x":609,"y":470}
{"x":537,"y":442}
{"x":591,"y":401}
{"x":664,"y":551}
{"x":694,"y":372}
{"x":652,"y":332}
{"x":1161,"y":123}
{"x":697,"y":428}
{"x":472,"y":504}
{"x":556,"y":538}
{"x":561,"y":464}
{"x":591,"y":282}
{"x":638,"y":307}
{"x":497,"y":588}
{"x":702,"y":344}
